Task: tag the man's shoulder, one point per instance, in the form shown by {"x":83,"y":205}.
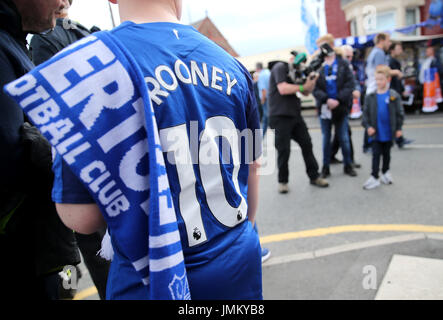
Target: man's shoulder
{"x":14,"y":54}
{"x":371,"y":97}
{"x":394,"y":94}
{"x":380,"y":55}
{"x":265,"y":73}
{"x":376,"y":53}
{"x":280,"y":66}
{"x":57,"y":35}
{"x":343,"y":63}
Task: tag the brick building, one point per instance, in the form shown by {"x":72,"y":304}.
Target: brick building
{"x":208,"y":29}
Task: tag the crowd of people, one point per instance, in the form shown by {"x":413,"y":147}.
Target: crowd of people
{"x":335,"y":89}
{"x":49,"y":210}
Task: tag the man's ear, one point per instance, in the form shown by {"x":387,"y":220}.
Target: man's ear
{"x":113,"y":1}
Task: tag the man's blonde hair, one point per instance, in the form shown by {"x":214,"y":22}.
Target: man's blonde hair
{"x":328,"y":38}
{"x":383,"y":69}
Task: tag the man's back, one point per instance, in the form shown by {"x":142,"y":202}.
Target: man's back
{"x":376,"y":57}
{"x":203,"y":101}
{"x":198,"y":90}
{"x":396,"y":83}
{"x":193,"y":82}
{"x":282,"y":105}
{"x":263,"y":80}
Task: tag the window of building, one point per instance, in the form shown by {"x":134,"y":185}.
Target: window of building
{"x":354,"y":27}
{"x":386,"y":21}
{"x":383,"y":21}
{"x":413,"y":17}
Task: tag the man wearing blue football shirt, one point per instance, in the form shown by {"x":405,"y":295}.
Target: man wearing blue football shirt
{"x":199,"y":93}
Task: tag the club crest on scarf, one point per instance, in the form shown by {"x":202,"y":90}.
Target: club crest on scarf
{"x":91,"y":102}
{"x":179,"y":288}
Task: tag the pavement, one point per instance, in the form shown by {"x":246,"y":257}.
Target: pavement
{"x":345,"y":243}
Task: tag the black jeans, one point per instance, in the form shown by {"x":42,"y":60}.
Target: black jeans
{"x":380,"y":149}
{"x":287,"y":129}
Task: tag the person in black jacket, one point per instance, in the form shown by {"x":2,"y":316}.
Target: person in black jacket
{"x":43,"y":47}
{"x":333,"y":93}
{"x":395,"y":51}
{"x":348,"y":54}
{"x":34,"y":243}
{"x":65,"y":33}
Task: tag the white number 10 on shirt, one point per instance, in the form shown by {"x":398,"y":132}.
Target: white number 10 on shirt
{"x":175,"y":142}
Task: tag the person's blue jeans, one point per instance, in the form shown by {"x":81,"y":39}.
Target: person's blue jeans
{"x":341,"y":129}
{"x":265,"y":117}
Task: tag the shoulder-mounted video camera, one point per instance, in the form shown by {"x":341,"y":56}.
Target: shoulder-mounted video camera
{"x":299,"y":71}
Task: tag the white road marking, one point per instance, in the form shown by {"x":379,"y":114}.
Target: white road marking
{"x":350,"y":247}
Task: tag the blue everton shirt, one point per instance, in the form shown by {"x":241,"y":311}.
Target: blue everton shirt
{"x":331,"y":79}
{"x":384,"y":133}
{"x":204,"y":105}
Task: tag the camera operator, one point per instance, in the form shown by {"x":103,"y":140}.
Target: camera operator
{"x":286,"y":119}
{"x":333,"y":93}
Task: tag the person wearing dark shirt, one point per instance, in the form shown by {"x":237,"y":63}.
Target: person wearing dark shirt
{"x":43,"y":47}
{"x":395,"y":52}
{"x":333,"y":94}
{"x":65,"y":33}
{"x":348,"y":54}
{"x":286,"y":119}
{"x":34,"y":243}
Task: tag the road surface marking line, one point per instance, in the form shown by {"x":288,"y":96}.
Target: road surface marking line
{"x":425,"y":146}
{"x":344,"y":248}
{"x":289,"y":258}
{"x":432,"y":232}
{"x":435,"y":236}
{"x":85,"y":293}
{"x":350,"y":228}
{"x":369,"y":244}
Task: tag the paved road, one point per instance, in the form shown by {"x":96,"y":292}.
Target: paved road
{"x":325,"y":243}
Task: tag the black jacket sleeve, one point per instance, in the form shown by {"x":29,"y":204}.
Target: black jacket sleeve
{"x":346,"y":85}
{"x":11,"y":119}
{"x":366,"y":113}
{"x":399,"y":111}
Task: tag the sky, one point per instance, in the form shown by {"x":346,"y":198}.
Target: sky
{"x":250,"y":26}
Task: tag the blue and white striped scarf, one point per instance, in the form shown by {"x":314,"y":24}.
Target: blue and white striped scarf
{"x":91,"y":102}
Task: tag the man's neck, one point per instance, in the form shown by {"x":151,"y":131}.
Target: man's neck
{"x":147,"y":11}
{"x":329,"y":60}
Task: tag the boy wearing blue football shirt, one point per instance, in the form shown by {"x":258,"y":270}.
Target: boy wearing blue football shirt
{"x":383,"y":119}
{"x":200,"y":94}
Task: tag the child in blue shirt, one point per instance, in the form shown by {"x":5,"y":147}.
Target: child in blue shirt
{"x":383,"y":119}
